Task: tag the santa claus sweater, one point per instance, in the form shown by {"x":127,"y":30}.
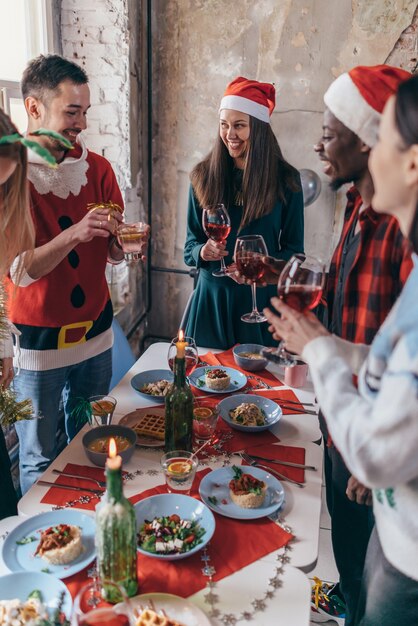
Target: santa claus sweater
{"x":375,"y":427}
{"x":65,"y":316}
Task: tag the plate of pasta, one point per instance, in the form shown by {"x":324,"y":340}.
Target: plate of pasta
{"x":249,"y":413}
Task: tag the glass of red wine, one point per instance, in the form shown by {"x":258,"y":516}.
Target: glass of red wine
{"x":93,"y":605}
{"x":217,"y":226}
{"x":249,"y":252}
{"x":190,"y":354}
{"x":300,"y":285}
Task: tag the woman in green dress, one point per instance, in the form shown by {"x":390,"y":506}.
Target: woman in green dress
{"x":246,"y":172}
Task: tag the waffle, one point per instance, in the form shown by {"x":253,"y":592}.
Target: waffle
{"x":150,"y":425}
{"x":149,"y":617}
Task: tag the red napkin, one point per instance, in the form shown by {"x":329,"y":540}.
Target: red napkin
{"x":234,"y":545}
{"x":60,"y":497}
{"x":280,"y":396}
{"x":281,"y":453}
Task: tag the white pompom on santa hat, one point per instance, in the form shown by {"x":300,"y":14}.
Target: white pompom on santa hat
{"x":251,"y":97}
{"x":358,"y":97}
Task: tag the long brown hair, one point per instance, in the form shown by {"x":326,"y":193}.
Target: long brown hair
{"x":16,"y":226}
{"x":267,"y":175}
{"x":406,"y":119}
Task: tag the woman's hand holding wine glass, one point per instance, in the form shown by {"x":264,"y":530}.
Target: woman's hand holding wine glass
{"x":217,"y":226}
{"x":300,"y":287}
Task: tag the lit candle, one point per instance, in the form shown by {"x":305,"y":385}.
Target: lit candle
{"x":181,"y":345}
{"x":114,"y":461}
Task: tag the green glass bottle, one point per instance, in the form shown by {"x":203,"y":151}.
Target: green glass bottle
{"x":179,"y":408}
{"x":116,"y":538}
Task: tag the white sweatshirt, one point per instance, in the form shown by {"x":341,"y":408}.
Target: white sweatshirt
{"x":375,"y":427}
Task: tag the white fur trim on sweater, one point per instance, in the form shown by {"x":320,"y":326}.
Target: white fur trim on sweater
{"x":69,"y":177}
{"x":244,"y":105}
{"x":345,"y":101}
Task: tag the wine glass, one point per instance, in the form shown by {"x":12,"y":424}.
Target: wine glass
{"x":94,"y":605}
{"x":249,"y":252}
{"x":217,"y":226}
{"x":300,"y":285}
{"x":131,"y":238}
{"x":190,"y":354}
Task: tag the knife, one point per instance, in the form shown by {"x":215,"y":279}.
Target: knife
{"x":46,"y":483}
{"x":296,"y":409}
{"x":287,"y":463}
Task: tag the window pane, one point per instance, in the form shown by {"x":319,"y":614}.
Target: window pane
{"x":22,"y":36}
{"x":18,"y":114}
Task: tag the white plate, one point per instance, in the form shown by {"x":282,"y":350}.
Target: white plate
{"x":18,"y":557}
{"x":177,"y":608}
{"x":238,"y":379}
{"x":130,"y":420}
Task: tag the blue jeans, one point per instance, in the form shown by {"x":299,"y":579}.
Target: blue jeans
{"x":53,"y":393}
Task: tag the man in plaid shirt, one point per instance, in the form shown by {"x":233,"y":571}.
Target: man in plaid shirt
{"x":368,"y":270}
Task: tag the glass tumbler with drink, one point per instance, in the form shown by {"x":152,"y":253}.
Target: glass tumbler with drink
{"x":249,"y":253}
{"x":190,"y":354}
{"x":179,"y":467}
{"x":102,"y":408}
{"x":92,"y":607}
{"x":131,"y":238}
{"x":204,"y":421}
{"x":300,"y":285}
{"x":217,"y":226}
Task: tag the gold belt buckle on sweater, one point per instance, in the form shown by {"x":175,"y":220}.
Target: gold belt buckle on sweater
{"x":64,"y":340}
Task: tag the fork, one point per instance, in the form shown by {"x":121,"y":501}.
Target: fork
{"x":254,"y":463}
{"x":99,"y":483}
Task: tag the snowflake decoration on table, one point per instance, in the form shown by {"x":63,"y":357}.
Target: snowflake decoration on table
{"x":152,"y":472}
{"x":258,"y":604}
{"x":4,"y":535}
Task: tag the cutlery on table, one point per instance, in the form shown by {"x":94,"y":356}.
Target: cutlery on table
{"x":287,"y":463}
{"x":297,"y":409}
{"x":47,"y":483}
{"x":99,"y":483}
{"x":255,"y":463}
{"x":288,"y":401}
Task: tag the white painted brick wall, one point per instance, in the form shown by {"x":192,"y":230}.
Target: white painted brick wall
{"x":96,"y":37}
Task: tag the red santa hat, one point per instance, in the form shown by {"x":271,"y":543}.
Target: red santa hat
{"x":251,"y":97}
{"x":357,"y":98}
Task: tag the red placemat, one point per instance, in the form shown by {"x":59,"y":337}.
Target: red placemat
{"x":60,"y":497}
{"x":282,"y":453}
{"x":234,"y":545}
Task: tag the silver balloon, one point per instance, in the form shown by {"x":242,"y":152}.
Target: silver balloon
{"x":311,"y":186}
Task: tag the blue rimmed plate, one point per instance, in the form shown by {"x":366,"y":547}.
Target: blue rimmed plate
{"x":151,"y":376}
{"x":272,"y":411}
{"x":238,"y":379}
{"x":20,"y":557}
{"x":187,"y":508}
{"x":214,"y":491}
{"x":21,"y":584}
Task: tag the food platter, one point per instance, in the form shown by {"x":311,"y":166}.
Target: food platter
{"x":214,"y":491}
{"x":272,"y":411}
{"x":18,"y":548}
{"x":151,"y":376}
{"x":238,"y":379}
{"x":130,"y":419}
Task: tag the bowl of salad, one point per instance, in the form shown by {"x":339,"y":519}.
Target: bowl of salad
{"x":172,"y":526}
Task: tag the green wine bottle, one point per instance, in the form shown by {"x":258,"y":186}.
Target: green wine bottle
{"x":179,"y":408}
{"x":116,"y":538}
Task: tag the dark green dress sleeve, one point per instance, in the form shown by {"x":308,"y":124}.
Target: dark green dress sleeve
{"x":292,"y":231}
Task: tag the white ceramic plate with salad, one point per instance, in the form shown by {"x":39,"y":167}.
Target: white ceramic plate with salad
{"x":214,"y":491}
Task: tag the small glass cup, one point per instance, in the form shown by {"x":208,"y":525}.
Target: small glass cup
{"x":204,"y":422}
{"x":179,"y":469}
{"x":94,"y":605}
{"x":102,"y":409}
{"x":131,"y":238}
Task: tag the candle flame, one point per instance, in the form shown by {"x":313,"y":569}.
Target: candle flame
{"x":112,"y":448}
{"x":181,"y":335}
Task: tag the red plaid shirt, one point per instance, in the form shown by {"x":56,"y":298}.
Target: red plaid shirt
{"x":380,"y":269}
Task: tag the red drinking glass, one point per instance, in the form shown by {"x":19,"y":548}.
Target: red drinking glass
{"x":249,"y":253}
{"x":300,"y":285}
{"x":217,"y":226}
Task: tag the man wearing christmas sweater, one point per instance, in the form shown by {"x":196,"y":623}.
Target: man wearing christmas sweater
{"x":61,"y":305}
